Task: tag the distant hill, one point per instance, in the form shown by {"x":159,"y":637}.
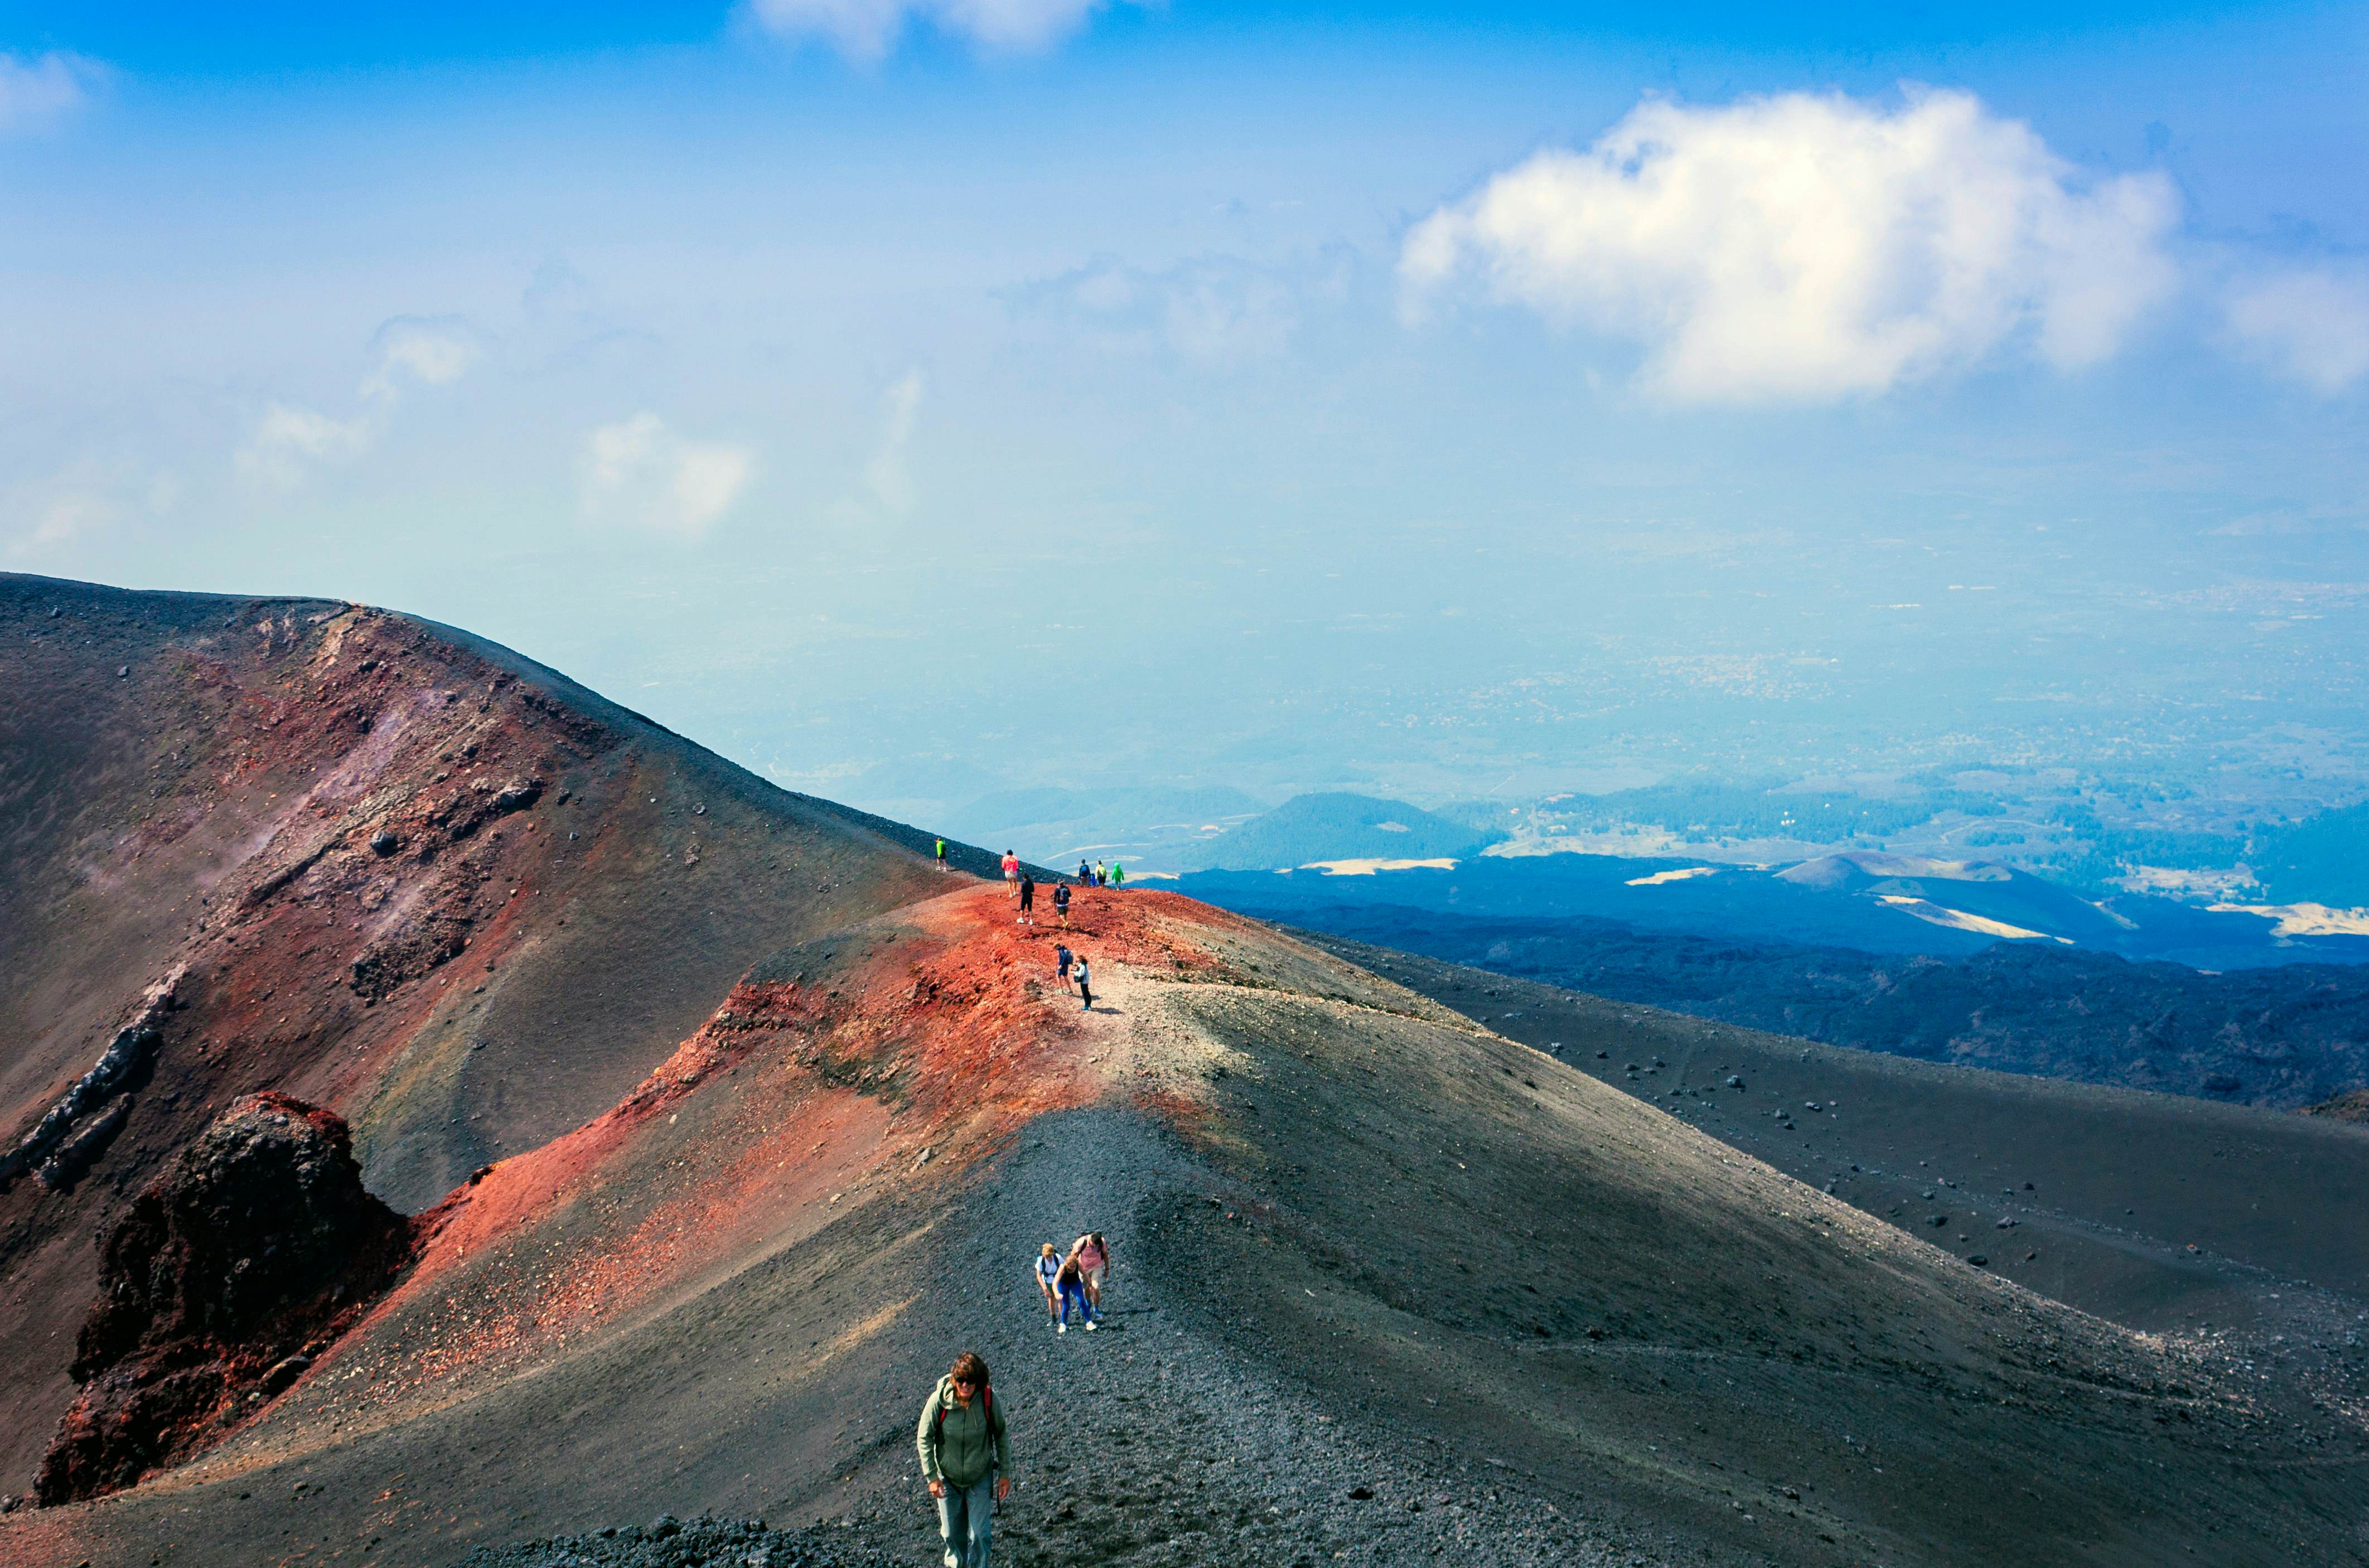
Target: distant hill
{"x":1307,"y":830}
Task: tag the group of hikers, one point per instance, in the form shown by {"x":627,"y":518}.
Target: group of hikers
{"x":965,"y":1450}
{"x":1020,"y":886}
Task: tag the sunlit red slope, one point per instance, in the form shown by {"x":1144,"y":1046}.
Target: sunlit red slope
{"x":400,"y":872}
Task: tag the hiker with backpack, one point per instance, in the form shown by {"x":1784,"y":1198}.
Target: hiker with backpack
{"x":1049,"y":1280}
{"x":1061,"y":902}
{"x":965,"y":1459}
{"x":941,"y":854}
{"x":1062,"y":959}
{"x":1119,"y":875}
{"x":1070,"y":1281}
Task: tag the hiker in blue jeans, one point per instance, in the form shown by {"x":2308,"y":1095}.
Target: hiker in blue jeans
{"x":965,"y":1459}
{"x":1071,"y":1282}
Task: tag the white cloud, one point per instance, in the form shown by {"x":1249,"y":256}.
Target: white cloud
{"x":867,"y":30}
{"x":431,"y":353}
{"x":286,"y":441}
{"x":36,"y":92}
{"x":2310,"y":325}
{"x":639,"y":471}
{"x":1808,"y":247}
{"x":892,"y":485}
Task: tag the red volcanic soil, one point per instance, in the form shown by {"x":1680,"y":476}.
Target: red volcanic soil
{"x":722,"y":1120}
{"x":390,"y":869}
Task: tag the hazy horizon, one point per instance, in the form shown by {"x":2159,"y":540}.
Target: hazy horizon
{"x":914,"y":401}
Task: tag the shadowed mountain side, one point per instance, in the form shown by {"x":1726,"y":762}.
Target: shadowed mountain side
{"x":396,"y":871}
{"x":1387,"y":1286}
{"x":2285,"y":1037}
{"x":2156,"y":1210}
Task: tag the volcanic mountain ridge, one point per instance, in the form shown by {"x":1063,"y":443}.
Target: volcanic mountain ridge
{"x":723,"y":1119}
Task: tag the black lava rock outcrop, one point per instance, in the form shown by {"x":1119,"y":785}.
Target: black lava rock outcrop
{"x":253,"y":1250}
{"x":667,"y":1542}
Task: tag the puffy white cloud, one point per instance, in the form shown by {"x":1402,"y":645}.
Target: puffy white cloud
{"x":36,"y":91}
{"x":640,"y":471}
{"x":868,"y":30}
{"x":1809,"y":247}
{"x":892,"y":485}
{"x":2311,"y":325}
{"x":429,"y":352}
{"x":286,"y":441}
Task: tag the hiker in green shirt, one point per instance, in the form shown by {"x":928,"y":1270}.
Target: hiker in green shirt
{"x":941,"y":854}
{"x":965,"y":1459}
{"x":1119,"y":875}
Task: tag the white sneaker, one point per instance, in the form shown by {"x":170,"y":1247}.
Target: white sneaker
{"x":1060,"y":1328}
{"x":1090,"y":1326}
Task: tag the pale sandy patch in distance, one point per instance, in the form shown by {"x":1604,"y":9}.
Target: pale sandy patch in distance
{"x":2303,"y":919}
{"x":1958,"y":919}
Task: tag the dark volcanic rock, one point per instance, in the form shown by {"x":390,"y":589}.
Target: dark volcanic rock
{"x":2348,"y":1107}
{"x":129,"y":1051}
{"x":255,"y":1247}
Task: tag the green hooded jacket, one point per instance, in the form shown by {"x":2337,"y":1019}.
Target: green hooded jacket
{"x":966,"y":1446}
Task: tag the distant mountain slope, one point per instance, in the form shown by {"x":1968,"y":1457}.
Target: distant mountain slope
{"x":1311,"y":829}
{"x":2285,"y":1037}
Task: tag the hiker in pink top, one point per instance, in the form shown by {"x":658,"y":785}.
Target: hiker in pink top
{"x":1011,"y":873}
{"x":1093,"y":1262}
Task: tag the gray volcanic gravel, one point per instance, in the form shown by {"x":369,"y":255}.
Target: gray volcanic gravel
{"x":1154,"y":1441}
{"x":667,"y":1542}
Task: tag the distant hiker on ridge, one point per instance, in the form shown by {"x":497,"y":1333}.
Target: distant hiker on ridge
{"x":941,"y":854}
{"x":1061,"y":902}
{"x":1102,"y":874}
{"x":965,"y":1458}
{"x":1085,"y":874}
{"x":1027,"y":900}
{"x":1085,"y":985}
{"x":1011,"y":873}
{"x":1119,"y":875}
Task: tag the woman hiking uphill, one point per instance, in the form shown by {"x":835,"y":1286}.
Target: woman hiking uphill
{"x":1070,"y":1281}
{"x":965,"y":1459}
{"x":1011,"y":873}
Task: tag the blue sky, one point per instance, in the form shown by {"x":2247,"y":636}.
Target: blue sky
{"x":1243,"y":393}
